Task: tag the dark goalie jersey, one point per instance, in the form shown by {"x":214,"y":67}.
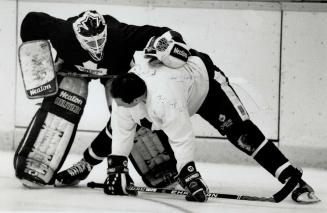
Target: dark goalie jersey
{"x":122,"y":42}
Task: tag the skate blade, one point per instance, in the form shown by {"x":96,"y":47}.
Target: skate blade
{"x":60,"y":184}
{"x":308,"y":198}
{"x":33,"y":185}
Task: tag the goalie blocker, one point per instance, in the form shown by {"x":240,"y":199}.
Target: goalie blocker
{"x":37,"y":68}
{"x":50,"y":134}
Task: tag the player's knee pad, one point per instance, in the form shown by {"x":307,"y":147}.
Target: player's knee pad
{"x":246,"y":136}
{"x":153,"y":158}
{"x":50,"y":134}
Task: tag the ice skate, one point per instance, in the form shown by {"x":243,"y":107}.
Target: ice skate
{"x":304,"y":194}
{"x":73,"y":175}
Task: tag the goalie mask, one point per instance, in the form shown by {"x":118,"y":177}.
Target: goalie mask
{"x":91,"y":32}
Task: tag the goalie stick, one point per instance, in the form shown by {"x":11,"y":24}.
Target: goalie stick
{"x":84,"y":75}
{"x":276,"y":198}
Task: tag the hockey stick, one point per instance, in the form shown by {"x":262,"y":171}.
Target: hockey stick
{"x":84,"y":75}
{"x":276,"y":198}
{"x":182,"y":192}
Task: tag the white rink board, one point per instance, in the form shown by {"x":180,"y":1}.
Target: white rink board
{"x":7,"y":71}
{"x":243,"y":43}
{"x":304,"y":79}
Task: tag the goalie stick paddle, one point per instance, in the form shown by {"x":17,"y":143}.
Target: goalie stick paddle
{"x":182,"y":192}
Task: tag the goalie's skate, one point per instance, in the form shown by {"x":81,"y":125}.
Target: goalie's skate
{"x":73,"y":175}
{"x":304,"y":194}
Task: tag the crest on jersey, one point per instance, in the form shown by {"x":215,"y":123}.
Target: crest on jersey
{"x":91,"y":32}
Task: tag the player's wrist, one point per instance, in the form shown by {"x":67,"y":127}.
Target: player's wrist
{"x":117,"y":164}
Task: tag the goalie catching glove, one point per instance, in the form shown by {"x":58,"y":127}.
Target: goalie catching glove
{"x":118,"y":177}
{"x":192,"y":182}
{"x":169,"y":48}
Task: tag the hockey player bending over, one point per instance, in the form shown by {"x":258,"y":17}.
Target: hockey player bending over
{"x":89,"y":44}
{"x":167,"y":98}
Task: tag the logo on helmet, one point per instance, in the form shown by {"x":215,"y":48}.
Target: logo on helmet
{"x":91,"y":32}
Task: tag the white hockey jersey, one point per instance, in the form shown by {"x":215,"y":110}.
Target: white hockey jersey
{"x":173,"y":96}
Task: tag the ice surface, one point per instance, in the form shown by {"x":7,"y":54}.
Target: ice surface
{"x":228,"y":179}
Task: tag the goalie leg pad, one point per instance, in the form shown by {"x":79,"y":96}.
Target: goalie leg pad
{"x":153,"y":158}
{"x":39,"y":162}
{"x":49,"y":136}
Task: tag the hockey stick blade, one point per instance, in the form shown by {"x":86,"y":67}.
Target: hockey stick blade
{"x":182,"y":192}
{"x":287,"y":188}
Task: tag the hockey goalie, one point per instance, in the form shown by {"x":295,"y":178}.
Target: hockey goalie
{"x":82,"y":54}
{"x":48,"y":139}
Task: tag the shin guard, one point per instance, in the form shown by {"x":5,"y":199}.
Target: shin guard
{"x":270,"y":157}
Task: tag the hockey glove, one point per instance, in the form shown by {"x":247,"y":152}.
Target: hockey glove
{"x":118,"y":177}
{"x":193,"y":183}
